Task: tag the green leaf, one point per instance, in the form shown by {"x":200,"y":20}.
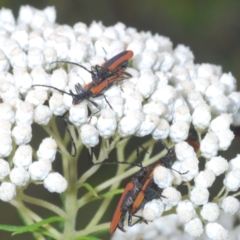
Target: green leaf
{"x":111,"y":193}
{"x":88,"y":238}
{"x":9,"y":228}
{"x":91,"y":189}
{"x":38,"y":226}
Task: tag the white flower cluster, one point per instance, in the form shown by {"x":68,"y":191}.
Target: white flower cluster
{"x":22,"y":49}
{"x":166,"y":96}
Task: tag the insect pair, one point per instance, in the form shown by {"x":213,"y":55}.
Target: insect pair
{"x":140,"y":190}
{"x":103,"y":77}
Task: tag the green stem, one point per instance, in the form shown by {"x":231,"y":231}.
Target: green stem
{"x":43,"y":204}
{"x":88,"y":231}
{"x":30,"y":217}
{"x":70,"y":198}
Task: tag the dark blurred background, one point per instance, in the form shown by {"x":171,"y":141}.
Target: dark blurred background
{"x":210,"y":28}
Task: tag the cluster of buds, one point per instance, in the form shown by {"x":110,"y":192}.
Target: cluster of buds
{"x":166,"y":96}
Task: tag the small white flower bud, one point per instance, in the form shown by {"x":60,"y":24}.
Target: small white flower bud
{"x":59,"y":79}
{"x":218,"y":165}
{"x":220,"y":104}
{"x":60,"y":43}
{"x":47,"y":149}
{"x":35,"y":58}
{"x":40,"y":169}
{"x":144,"y":60}
{"x":183,"y":54}
{"x":146,"y":83}
{"x":225,"y":138}
{"x":194,"y":227}
{"x":162,"y":130}
{"x":171,"y":196}
{"x":235,"y":163}
{"x":167,"y":61}
{"x":50,"y":14}
{"x":23,"y":156}
{"x":199,"y":195}
{"x":205,"y":179}
{"x":185,"y":211}
{"x":167,"y":95}
{"x":36,"y":97}
{"x":229,"y":82}
{"x":96,"y":29}
{"x":137,"y":46}
{"x":221,"y":123}
{"x":153,"y":210}
{"x":183,"y":151}
{"x":188,"y":168}
{"x":201,"y":116}
{"x":56,"y":104}
{"x":162,"y":79}
{"x":4,"y":63}
{"x":80,"y":28}
{"x":55,"y":182}
{"x":152,"y":44}
{"x":7,"y":112}
{"x":162,"y":177}
{"x":148,"y":125}
{"x":230,"y":205}
{"x":77,"y":52}
{"x":107,"y":123}
{"x":201,"y":84}
{"x":179,"y":131}
{"x":194,"y":98}
{"x":157,"y":107}
{"x":129,"y":124}
{"x":209,"y":145}
{"x":24,"y":113}
{"x":234,"y":98}
{"x":7,"y":191}
{"x":165,"y":43}
{"x":210,"y":212}
{"x":19,"y":176}
{"x":117,"y":105}
{"x":232,"y":180}
{"x":39,"y":76}
{"x":216,"y":232}
{"x":89,"y":135}
{"x":50,"y":55}
{"x":4,"y":168}
{"x":25,"y":14}
{"x":78,"y":114}
{"x":22,"y":79}
{"x":182,"y":113}
{"x":180,"y":74}
{"x":6,"y":16}
{"x":8,"y":91}
{"x":5,"y":144}
{"x":18,"y":58}
{"x":36,"y":41}
{"x":215,"y":90}
{"x":8,"y":45}
{"x":5,"y":126}
{"x":133,"y":102}
{"x":42,"y":115}
{"x":6,"y":77}
{"x":22,"y":133}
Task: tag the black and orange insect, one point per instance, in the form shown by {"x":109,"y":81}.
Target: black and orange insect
{"x":103,"y":77}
